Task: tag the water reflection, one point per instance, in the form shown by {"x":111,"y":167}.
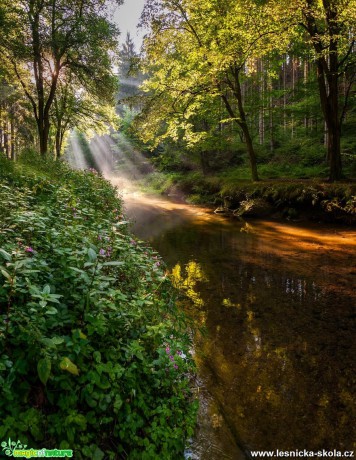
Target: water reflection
{"x":187,"y":282}
{"x":278,"y":304}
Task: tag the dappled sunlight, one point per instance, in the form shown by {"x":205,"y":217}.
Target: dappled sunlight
{"x":130,"y":164}
{"x":303,"y":248}
{"x":101,"y":151}
{"x":130,"y":81}
{"x":306,"y":237}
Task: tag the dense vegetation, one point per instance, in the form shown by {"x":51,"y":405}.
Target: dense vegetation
{"x":231,"y":85}
{"x":94,"y":353}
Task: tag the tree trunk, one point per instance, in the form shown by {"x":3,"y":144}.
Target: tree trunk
{"x":329,"y":98}
{"x":6,"y":141}
{"x":251,"y":152}
{"x":204,"y":163}
{"x":12,"y":134}
{"x":43,"y":133}
{"x":328,"y":73}
{"x":1,"y":131}
{"x":58,"y":141}
{"x":243,"y":124}
{"x":235,"y":86}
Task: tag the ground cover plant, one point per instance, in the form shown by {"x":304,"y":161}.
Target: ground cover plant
{"x":94,"y":354}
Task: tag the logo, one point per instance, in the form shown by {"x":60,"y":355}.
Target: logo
{"x":17,"y":449}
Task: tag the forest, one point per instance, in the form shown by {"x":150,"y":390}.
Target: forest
{"x":257,"y":89}
{"x":251,"y":83}
{"x":248,"y":105}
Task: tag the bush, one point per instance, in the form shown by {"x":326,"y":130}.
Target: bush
{"x":95,"y":354}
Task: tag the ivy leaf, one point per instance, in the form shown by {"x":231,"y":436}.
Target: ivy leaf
{"x":6,"y":274}
{"x":46,"y":289}
{"x":67,"y":365}
{"x":44,"y":369}
{"x":53,"y":341}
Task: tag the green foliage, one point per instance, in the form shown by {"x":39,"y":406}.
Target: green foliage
{"x":225,"y":76}
{"x":60,"y":56}
{"x":94,"y":352}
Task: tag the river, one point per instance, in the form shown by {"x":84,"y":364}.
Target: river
{"x":275,"y":305}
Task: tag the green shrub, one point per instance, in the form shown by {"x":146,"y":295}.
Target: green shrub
{"x":94,"y":352}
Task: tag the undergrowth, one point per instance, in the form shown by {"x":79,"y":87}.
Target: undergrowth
{"x":94,"y":354}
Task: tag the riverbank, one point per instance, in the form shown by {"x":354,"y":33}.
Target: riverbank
{"x":95,"y":353}
{"x":292,"y":199}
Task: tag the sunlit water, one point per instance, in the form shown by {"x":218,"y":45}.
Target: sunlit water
{"x":276,"y":365}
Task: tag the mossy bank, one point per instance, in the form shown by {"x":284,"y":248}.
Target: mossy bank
{"x":294,"y":199}
{"x":94,"y":353}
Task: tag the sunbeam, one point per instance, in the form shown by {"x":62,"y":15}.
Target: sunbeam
{"x":113,"y":156}
{"x":74,"y":153}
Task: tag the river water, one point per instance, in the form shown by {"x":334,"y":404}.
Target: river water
{"x":276,"y":304}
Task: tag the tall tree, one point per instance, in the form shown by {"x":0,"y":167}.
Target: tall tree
{"x":329,"y":27}
{"x":130,"y":76}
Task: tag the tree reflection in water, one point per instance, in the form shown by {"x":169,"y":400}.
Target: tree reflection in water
{"x":277,"y":302}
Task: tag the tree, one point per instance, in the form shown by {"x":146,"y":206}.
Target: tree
{"x":198,"y":51}
{"x":329,"y":27}
{"x":75,"y":107}
{"x":15,"y":116}
{"x":44,"y":39}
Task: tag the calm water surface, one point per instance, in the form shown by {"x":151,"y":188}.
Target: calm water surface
{"x":276,"y":365}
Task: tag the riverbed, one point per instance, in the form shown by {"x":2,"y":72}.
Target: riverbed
{"x":274,"y":307}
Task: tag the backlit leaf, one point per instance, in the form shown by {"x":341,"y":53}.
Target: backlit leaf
{"x":67,"y":365}
{"x":44,"y":369}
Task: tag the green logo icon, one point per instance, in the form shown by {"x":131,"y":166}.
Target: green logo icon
{"x":17,"y":449}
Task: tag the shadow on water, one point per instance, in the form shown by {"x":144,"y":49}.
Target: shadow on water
{"x":277,"y":301}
